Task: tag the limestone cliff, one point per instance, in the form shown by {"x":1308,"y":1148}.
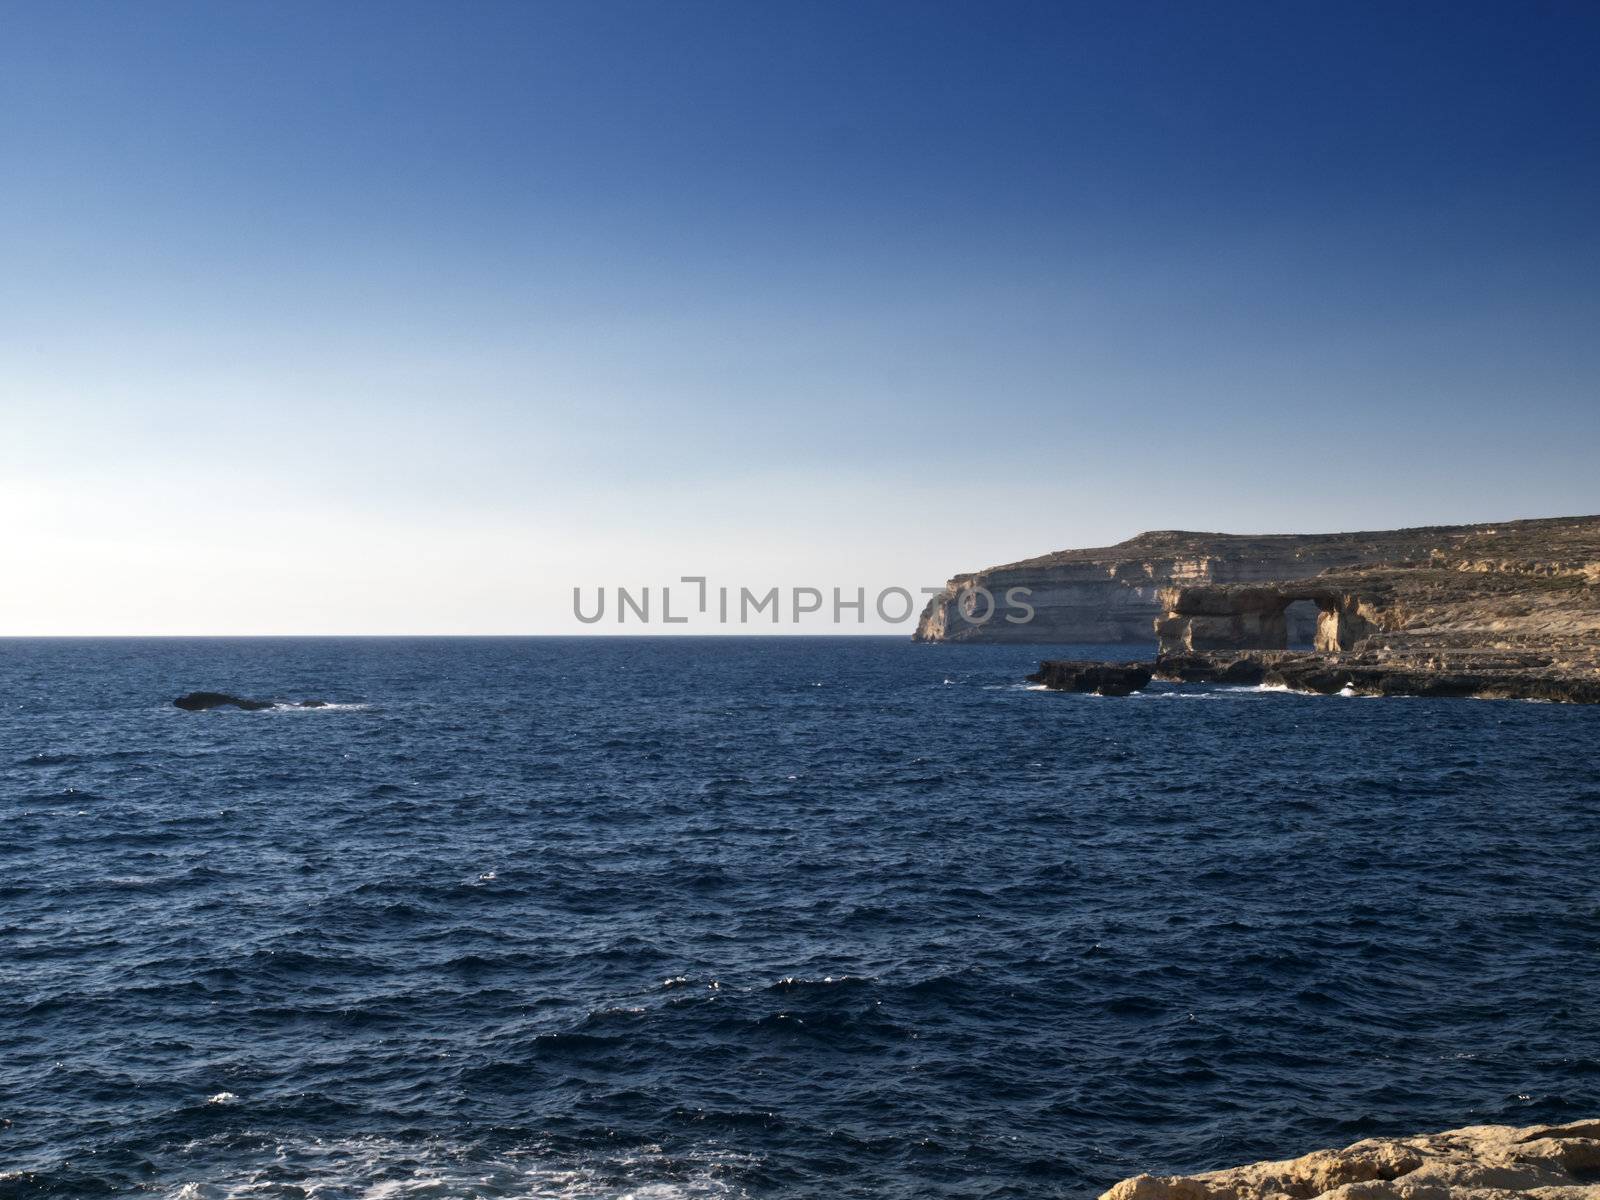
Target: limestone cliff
{"x":1520,"y":580}
{"x":1480,"y":1162}
{"x":1513,"y":589}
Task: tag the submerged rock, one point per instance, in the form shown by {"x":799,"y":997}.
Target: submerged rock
{"x":1103,"y":679}
{"x":1480,"y":1162}
{"x":198,"y":701}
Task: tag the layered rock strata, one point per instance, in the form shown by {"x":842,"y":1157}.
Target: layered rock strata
{"x":1111,"y":594}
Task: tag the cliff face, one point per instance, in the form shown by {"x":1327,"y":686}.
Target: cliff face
{"x":1522,"y":581}
{"x":1517,"y":588}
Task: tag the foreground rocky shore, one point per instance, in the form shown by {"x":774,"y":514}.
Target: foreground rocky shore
{"x":1480,"y":1162}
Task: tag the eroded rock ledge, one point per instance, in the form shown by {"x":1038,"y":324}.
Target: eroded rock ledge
{"x":1480,"y":1162}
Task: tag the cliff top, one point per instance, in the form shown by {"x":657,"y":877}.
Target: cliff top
{"x":1564,"y":538}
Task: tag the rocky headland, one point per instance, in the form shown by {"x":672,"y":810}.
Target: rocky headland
{"x":1508,"y":610}
{"x":1480,"y":1162}
{"x":1113,"y":593}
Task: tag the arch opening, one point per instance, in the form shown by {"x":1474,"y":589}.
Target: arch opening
{"x":1300,"y":624}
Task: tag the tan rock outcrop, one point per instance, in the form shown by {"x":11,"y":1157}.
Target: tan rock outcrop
{"x":1480,"y":1162}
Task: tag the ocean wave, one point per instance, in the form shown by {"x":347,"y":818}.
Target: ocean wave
{"x":827,"y":983}
{"x":327,"y":706}
{"x":969,"y":948}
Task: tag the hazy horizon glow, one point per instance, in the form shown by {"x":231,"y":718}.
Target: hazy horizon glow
{"x":410,"y":318}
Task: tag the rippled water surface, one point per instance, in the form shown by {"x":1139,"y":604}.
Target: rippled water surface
{"x":761,"y":917}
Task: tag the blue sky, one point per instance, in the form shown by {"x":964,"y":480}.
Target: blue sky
{"x":411,"y":317}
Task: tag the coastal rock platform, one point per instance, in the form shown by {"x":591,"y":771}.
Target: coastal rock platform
{"x":1483,"y":675}
{"x":1479,"y":1162}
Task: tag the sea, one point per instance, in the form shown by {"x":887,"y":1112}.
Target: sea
{"x":667,"y":918}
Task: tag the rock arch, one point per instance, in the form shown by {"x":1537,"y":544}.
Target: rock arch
{"x":1252,"y":618}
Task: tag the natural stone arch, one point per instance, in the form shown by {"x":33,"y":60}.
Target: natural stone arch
{"x":1254,"y":618}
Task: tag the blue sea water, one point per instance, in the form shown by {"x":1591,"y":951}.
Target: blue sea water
{"x":665,"y":918}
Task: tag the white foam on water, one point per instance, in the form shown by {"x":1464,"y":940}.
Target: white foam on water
{"x":1265,"y":689}
{"x":320,"y":708}
{"x":378,"y":1168}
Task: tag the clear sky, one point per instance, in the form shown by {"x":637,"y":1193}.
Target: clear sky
{"x":389,"y":317}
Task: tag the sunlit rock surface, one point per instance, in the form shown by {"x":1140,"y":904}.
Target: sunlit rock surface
{"x":1480,"y":1162}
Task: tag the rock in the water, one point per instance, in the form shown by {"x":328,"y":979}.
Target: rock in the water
{"x":1480,"y":1162}
{"x":1103,"y":679}
{"x":198,"y":701}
